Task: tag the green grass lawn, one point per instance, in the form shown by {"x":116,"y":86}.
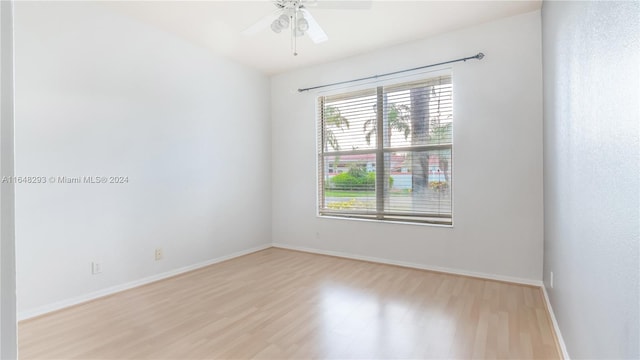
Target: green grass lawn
{"x":346,"y":193}
{"x":356,"y":194}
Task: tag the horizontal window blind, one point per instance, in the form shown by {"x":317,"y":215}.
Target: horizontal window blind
{"x":386,"y":153}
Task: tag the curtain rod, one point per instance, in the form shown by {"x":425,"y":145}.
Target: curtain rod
{"x":479,"y":56}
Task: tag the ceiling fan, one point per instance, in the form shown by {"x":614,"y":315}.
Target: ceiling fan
{"x":295,"y":16}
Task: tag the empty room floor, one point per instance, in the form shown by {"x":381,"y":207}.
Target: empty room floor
{"x":279,"y":303}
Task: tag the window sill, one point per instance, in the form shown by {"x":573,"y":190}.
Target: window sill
{"x":397,"y":222}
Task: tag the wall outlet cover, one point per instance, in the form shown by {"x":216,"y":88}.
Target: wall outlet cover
{"x":159,"y":255}
{"x":96,"y":268}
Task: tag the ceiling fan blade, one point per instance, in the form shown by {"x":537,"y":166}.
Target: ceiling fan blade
{"x":315,"y":32}
{"x":262,"y":23}
{"x":339,"y":4}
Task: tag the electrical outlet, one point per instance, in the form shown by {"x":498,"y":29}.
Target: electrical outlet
{"x":551,"y":279}
{"x":159,"y":254}
{"x":96,"y":268}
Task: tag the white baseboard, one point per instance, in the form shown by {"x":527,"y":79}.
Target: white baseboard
{"x":413,"y":265}
{"x":556,"y":328}
{"x":24,"y":315}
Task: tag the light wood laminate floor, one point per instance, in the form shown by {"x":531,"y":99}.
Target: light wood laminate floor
{"x":285,"y":304}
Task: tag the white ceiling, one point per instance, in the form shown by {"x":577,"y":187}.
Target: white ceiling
{"x":218,"y":25}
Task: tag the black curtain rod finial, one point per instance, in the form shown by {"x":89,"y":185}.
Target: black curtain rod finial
{"x":480,"y":56}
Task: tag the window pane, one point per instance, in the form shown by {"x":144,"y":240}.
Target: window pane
{"x":420,"y":114}
{"x":350,"y":182}
{"x":349,"y":121}
{"x":419,"y":183}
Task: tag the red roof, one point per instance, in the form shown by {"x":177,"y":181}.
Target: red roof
{"x":397,"y":160}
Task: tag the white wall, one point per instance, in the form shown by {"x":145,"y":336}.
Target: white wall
{"x":8,"y":341}
{"x":592,"y":174}
{"x":497,"y":165}
{"x":100,"y":94}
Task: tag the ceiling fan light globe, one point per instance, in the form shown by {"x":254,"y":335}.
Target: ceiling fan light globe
{"x":275,"y":26}
{"x":298,"y":33}
{"x":283,"y":21}
{"x":303,"y":24}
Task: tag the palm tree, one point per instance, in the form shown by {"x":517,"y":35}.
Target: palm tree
{"x":333,"y":119}
{"x":420,"y":98}
{"x":398,"y":118}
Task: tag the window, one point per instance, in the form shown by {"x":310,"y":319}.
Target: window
{"x":402,"y":172}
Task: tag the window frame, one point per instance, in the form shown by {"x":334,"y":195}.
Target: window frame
{"x":380,"y":215}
